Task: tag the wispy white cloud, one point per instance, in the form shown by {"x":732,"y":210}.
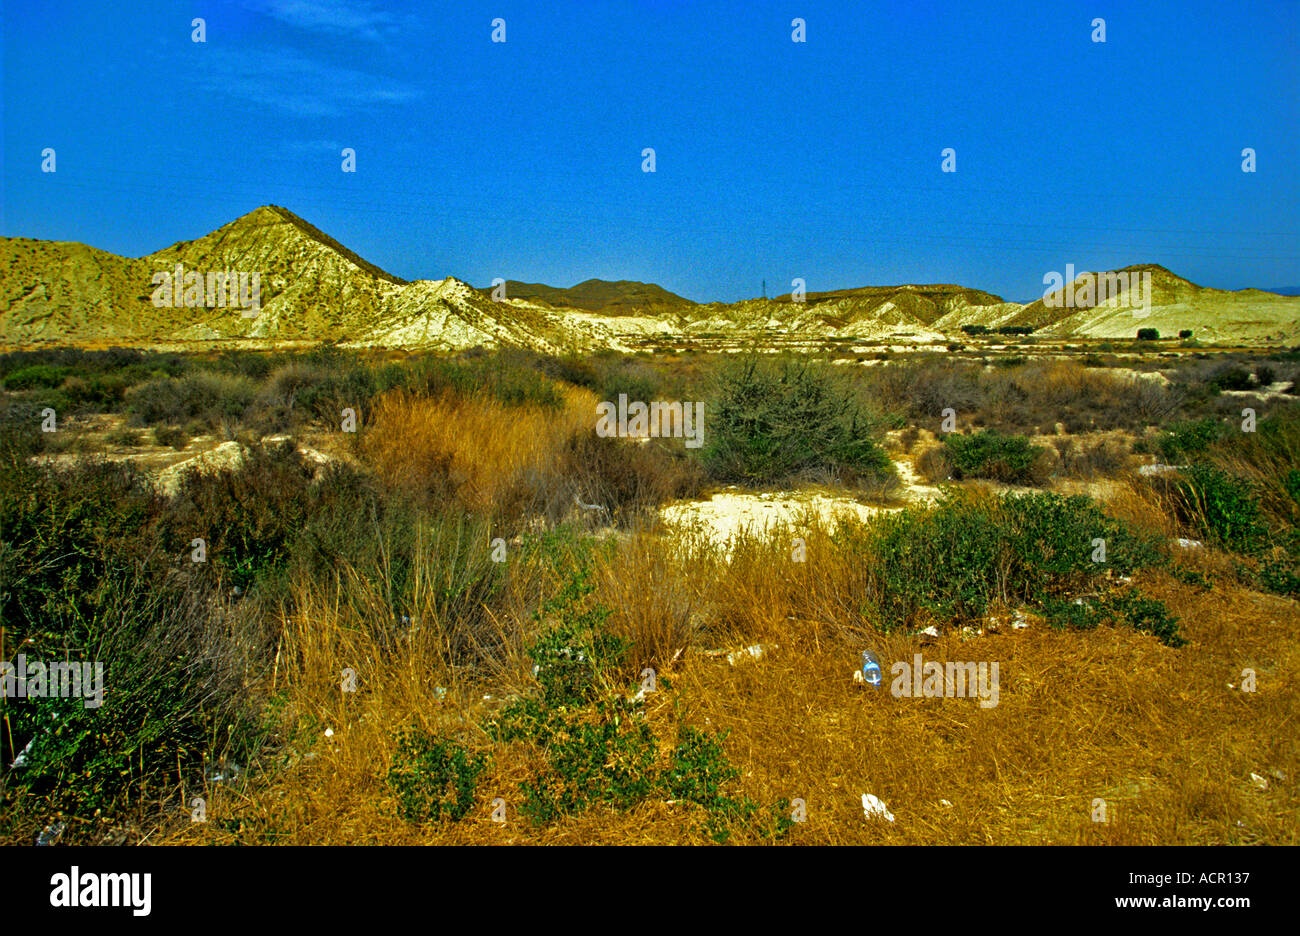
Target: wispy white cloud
{"x":354,"y":18}
{"x":292,"y":82}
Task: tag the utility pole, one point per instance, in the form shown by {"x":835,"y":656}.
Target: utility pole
{"x":764,"y":289}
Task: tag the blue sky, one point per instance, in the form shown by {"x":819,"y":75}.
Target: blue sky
{"x":774,"y":159}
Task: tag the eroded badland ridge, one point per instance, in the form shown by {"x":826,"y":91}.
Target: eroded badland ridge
{"x":311,"y":288}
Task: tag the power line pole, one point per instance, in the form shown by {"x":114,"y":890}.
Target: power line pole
{"x":764,"y":289}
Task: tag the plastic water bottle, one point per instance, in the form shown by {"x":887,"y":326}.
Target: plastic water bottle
{"x":872,"y":674}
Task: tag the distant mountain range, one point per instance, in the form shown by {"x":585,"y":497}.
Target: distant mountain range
{"x":311,"y":288}
{"x":623,"y":297}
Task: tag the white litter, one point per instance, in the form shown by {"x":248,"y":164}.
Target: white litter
{"x":1259,"y":781}
{"x":1148,"y":470}
{"x":873,"y":808}
{"x":753,"y":653}
{"x":1189,"y":543}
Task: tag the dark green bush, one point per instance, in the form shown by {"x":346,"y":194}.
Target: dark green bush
{"x":989,"y":454}
{"x":433,"y":779}
{"x":1221,"y":507}
{"x":953,"y":560}
{"x":82,"y":578}
{"x":248,"y":517}
{"x":1231,"y":377}
{"x":36,"y":376}
{"x":1187,"y":439}
{"x":205,"y":397}
{"x":171,"y":436}
{"x":774,"y":420}
{"x":1128,"y":607}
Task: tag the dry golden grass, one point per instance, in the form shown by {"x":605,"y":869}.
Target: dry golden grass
{"x":1157,"y":733}
{"x":484,"y":450}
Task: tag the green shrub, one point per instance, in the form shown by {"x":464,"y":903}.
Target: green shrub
{"x":247,"y":516}
{"x":433,"y":779}
{"x":989,"y":454}
{"x":1281,"y":576}
{"x":506,"y":375}
{"x":205,"y":397}
{"x":1187,"y":439}
{"x":82,"y":580}
{"x":171,"y":436}
{"x":599,"y":749}
{"x":1231,"y":377}
{"x":125,"y":437}
{"x":1148,"y":334}
{"x":1221,"y":507}
{"x":1292,"y":484}
{"x":952,"y":560}
{"x":1128,"y":607}
{"x":1146,"y":616}
{"x":771,"y":421}
{"x":36,"y":376}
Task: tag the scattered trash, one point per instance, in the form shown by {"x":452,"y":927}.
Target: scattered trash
{"x":871,"y":674}
{"x":577,"y":501}
{"x":439,"y":692}
{"x":21,"y":759}
{"x":1260,"y":782}
{"x":1279,"y":775}
{"x":226,"y":773}
{"x":1148,"y":470}
{"x":329,"y":732}
{"x":944,"y":802}
{"x":1188,"y":543}
{"x":873,"y":808}
{"x":51,"y":834}
{"x":753,"y":653}
{"x":932,"y":632}
{"x":1019,"y":622}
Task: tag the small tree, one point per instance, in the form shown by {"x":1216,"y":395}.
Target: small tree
{"x":1185,"y":333}
{"x":1148,"y":334}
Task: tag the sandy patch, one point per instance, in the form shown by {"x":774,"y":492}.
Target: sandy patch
{"x":729,"y":513}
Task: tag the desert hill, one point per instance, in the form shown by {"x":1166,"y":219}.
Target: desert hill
{"x":311,"y":288}
{"x":622,"y":297}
